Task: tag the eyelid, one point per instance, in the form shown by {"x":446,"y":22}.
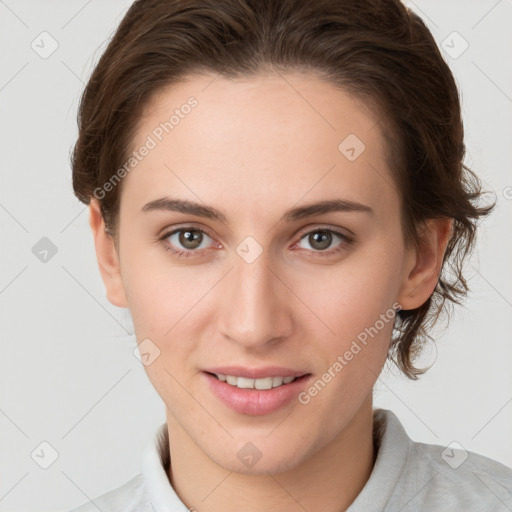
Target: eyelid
{"x":166,"y":233}
{"x":319,"y":227}
{"x":345,"y":240}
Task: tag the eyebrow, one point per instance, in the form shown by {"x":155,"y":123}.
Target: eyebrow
{"x":291,"y":215}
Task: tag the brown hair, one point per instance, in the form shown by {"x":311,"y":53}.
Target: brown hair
{"x":377,"y":50}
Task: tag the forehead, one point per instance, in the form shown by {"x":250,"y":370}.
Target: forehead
{"x":286,"y":135}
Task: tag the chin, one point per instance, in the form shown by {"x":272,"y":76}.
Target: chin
{"x":250,"y":460}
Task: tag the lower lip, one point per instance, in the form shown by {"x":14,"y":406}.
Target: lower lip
{"x":255,"y":402}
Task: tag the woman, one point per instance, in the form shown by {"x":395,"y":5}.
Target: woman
{"x":276,"y":193}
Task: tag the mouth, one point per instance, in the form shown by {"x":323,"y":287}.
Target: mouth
{"x":260,"y":384}
{"x":256,"y":392}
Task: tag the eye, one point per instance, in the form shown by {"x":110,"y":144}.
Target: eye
{"x":322,"y":238}
{"x":189,"y":241}
{"x":185,"y":241}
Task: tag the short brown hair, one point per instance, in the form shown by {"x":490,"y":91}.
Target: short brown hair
{"x":377,"y":50}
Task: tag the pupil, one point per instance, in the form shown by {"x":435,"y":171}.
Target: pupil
{"x":189,"y":239}
{"x":323,"y":238}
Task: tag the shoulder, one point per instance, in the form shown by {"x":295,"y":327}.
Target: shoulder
{"x":432,"y":477}
{"x":129,"y":497}
{"x":146,"y":492}
{"x":453,"y":476}
{"x":409,"y":476}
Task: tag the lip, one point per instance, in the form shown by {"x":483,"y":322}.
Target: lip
{"x":256,"y":402}
{"x":257,"y":373}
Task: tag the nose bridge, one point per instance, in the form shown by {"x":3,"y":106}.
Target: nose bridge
{"x":255,"y":310}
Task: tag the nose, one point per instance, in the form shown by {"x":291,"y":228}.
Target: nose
{"x":255,"y":304}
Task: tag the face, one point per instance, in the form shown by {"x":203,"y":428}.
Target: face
{"x":255,"y":283}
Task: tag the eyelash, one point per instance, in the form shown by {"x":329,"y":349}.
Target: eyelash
{"x":189,"y":253}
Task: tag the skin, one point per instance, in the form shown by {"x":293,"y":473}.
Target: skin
{"x":254,"y":148}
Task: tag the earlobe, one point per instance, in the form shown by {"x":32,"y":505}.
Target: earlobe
{"x":107,"y":256}
{"x":425,"y":263}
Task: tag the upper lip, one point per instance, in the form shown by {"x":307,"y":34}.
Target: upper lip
{"x":256,"y":373}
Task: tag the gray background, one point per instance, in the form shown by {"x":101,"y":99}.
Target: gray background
{"x":69,"y":377}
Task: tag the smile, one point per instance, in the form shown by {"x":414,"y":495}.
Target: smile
{"x":246,"y":383}
{"x":257,"y":391}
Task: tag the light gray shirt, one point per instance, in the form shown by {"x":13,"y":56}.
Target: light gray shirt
{"x":407,"y":476}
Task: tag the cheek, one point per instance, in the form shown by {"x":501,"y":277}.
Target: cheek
{"x":357,"y":307}
{"x":162,"y":302}
{"x":355,"y":300}
{"x":159,"y":292}
{"x":351,"y":297}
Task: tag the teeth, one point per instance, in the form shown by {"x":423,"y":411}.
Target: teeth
{"x":277,"y":381}
{"x":231,"y":380}
{"x":245,"y":383}
{"x":265,"y":383}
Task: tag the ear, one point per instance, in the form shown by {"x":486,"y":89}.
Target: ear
{"x":424,"y":263}
{"x":108,"y":259}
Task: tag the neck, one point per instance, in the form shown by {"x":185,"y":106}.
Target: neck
{"x":329,"y":480}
